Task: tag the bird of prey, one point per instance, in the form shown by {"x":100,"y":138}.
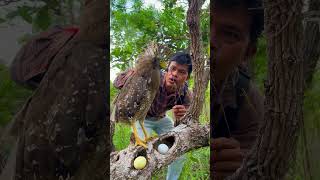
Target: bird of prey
{"x":137,"y":94}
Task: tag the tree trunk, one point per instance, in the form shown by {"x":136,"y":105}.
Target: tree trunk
{"x":275,"y":146}
{"x":201,"y":70}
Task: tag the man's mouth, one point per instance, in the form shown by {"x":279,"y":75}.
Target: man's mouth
{"x":172,"y":80}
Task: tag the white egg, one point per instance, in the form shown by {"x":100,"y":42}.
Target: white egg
{"x":163,"y":148}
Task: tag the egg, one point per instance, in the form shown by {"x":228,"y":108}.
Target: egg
{"x":163,"y":148}
{"x":140,"y":162}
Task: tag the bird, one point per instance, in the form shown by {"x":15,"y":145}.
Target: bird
{"x":136,"y":96}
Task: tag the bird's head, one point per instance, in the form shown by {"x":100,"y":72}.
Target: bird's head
{"x":153,"y":55}
{"x":159,"y":63}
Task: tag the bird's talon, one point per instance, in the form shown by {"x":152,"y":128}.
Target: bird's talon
{"x":147,"y":139}
{"x":141,"y":143}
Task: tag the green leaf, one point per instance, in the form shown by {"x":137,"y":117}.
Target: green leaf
{"x":12,"y":14}
{"x":194,"y":159}
{"x":43,"y":19}
{"x":52,"y":4}
{"x":25,"y":13}
{"x":2,"y":20}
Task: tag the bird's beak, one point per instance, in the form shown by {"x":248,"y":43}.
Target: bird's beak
{"x":163,"y":64}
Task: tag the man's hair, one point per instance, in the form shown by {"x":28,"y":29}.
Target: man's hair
{"x":255,"y":9}
{"x":182,"y":58}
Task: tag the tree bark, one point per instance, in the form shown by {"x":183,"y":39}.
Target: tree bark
{"x":275,"y":147}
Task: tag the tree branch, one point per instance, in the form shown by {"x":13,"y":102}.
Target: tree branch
{"x":182,"y":139}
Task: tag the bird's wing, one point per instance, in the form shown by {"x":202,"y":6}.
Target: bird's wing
{"x":133,"y":97}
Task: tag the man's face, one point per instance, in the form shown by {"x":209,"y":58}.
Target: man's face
{"x":176,"y":76}
{"x":230,"y":39}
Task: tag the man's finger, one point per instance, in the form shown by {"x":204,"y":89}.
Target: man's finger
{"x":180,"y":113}
{"x":175,"y":110}
{"x":228,"y":155}
{"x":224,"y":143}
{"x":178,"y":107}
{"x":182,"y":110}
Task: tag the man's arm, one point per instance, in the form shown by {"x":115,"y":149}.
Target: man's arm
{"x":122,"y":78}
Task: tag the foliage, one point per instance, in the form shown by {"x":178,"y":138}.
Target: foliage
{"x":134,"y":25}
{"x":12,"y":96}
{"x":42,"y":14}
{"x":259,"y":68}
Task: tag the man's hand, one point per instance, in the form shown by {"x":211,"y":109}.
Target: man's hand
{"x":179,"y":111}
{"x":227,"y":157}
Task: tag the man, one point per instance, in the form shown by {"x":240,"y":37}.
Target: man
{"x":173,"y":94}
{"x":238,"y":106}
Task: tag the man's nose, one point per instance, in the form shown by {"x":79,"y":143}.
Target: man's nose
{"x":174,"y":73}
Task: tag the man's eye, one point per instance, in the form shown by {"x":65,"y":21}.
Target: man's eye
{"x":182,"y":72}
{"x":173,"y":69}
{"x":230,"y":35}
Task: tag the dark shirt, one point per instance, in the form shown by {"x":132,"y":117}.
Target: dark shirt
{"x":250,"y":113}
{"x":163,"y":100}
{"x":249,"y":118}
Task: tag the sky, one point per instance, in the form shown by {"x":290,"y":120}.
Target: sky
{"x":155,"y":3}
